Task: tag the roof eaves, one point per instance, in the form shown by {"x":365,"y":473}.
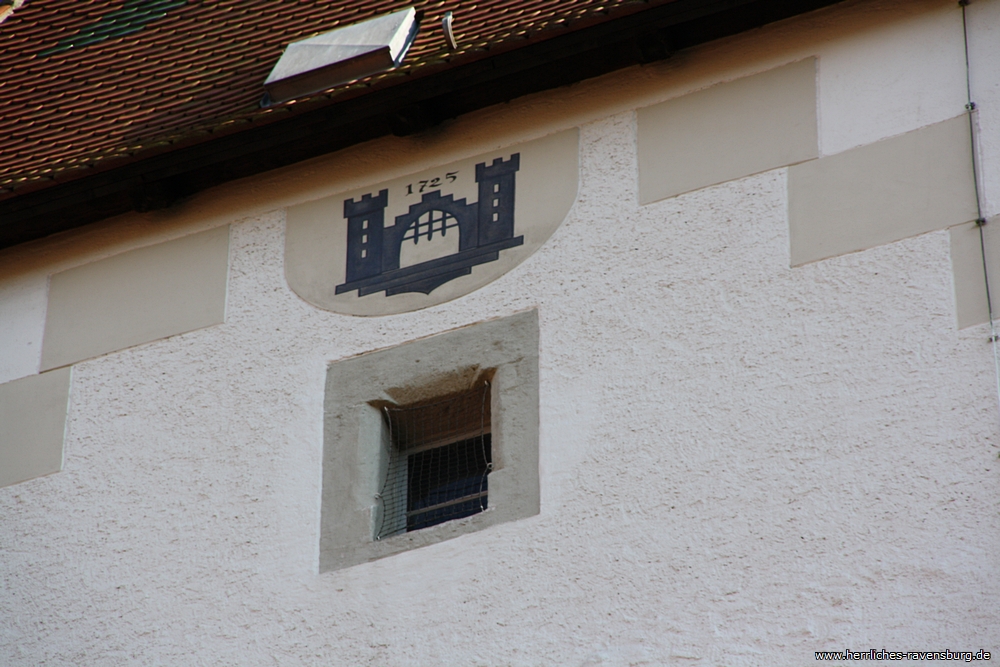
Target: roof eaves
{"x":158,"y":172}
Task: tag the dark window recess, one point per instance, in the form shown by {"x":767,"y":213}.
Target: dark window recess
{"x":447,"y":482}
{"x":440,"y":457}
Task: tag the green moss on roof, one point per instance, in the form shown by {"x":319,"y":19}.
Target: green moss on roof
{"x":132,"y":17}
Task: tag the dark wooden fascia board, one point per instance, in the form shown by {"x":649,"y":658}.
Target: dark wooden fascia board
{"x":411,"y":105}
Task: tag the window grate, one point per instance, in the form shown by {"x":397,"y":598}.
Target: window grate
{"x":440,"y":456}
{"x":430,"y":222}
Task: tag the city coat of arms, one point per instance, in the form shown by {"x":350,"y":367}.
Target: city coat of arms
{"x":434,"y":235}
{"x":484,"y":228}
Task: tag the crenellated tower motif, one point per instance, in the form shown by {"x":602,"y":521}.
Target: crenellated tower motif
{"x":365,"y":229}
{"x":496,"y":198}
{"x":485,"y":228}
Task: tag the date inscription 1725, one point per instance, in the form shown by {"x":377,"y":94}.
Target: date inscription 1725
{"x":420,"y":186}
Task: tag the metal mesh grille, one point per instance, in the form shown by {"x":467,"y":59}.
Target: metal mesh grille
{"x":440,"y":455}
{"x":430,"y":222}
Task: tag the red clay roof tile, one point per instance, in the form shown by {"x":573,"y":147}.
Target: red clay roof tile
{"x":199,"y":67}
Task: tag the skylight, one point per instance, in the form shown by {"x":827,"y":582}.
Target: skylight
{"x":7,"y":8}
{"x":317,"y":63}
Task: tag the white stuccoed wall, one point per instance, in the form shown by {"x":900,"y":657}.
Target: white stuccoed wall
{"x":742,"y":463}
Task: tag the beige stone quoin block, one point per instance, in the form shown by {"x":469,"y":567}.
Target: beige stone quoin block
{"x":32,"y":423}
{"x":728,"y":131}
{"x":883,"y":192}
{"x":967,"y":266}
{"x":136,"y":297}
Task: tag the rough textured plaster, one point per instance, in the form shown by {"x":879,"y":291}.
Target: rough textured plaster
{"x":759,"y":461}
{"x":774,"y":461}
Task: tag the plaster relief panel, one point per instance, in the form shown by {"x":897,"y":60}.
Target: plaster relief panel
{"x":136,"y":297}
{"x":22,"y":322}
{"x":728,"y":131}
{"x":33,"y":419}
{"x":883,"y":192}
{"x":967,"y":254}
{"x":433,"y":236}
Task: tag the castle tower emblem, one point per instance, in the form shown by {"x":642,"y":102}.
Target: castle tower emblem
{"x":484,"y":228}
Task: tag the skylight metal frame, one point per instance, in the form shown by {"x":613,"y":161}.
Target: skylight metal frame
{"x":341,"y":55}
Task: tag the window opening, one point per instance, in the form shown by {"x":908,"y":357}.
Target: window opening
{"x":440,"y":457}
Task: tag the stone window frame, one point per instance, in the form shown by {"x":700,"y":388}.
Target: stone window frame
{"x":355,"y":451}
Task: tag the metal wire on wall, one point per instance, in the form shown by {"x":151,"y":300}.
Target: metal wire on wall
{"x":439,"y":456}
{"x":972,"y":109}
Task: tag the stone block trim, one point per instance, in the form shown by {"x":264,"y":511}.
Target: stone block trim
{"x":355,"y":448}
{"x":136,"y":297}
{"x":728,"y":131}
{"x":914,"y":183}
{"x":33,"y":419}
{"x":967,"y":267}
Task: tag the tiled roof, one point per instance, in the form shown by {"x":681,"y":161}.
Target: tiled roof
{"x":93,"y":84}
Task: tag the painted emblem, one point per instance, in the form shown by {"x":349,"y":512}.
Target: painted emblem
{"x":381,"y":246}
{"x":484,"y":229}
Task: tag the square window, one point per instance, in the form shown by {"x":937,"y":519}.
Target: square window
{"x":430,"y":440}
{"x":439,"y":461}
{"x":449,"y":482}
